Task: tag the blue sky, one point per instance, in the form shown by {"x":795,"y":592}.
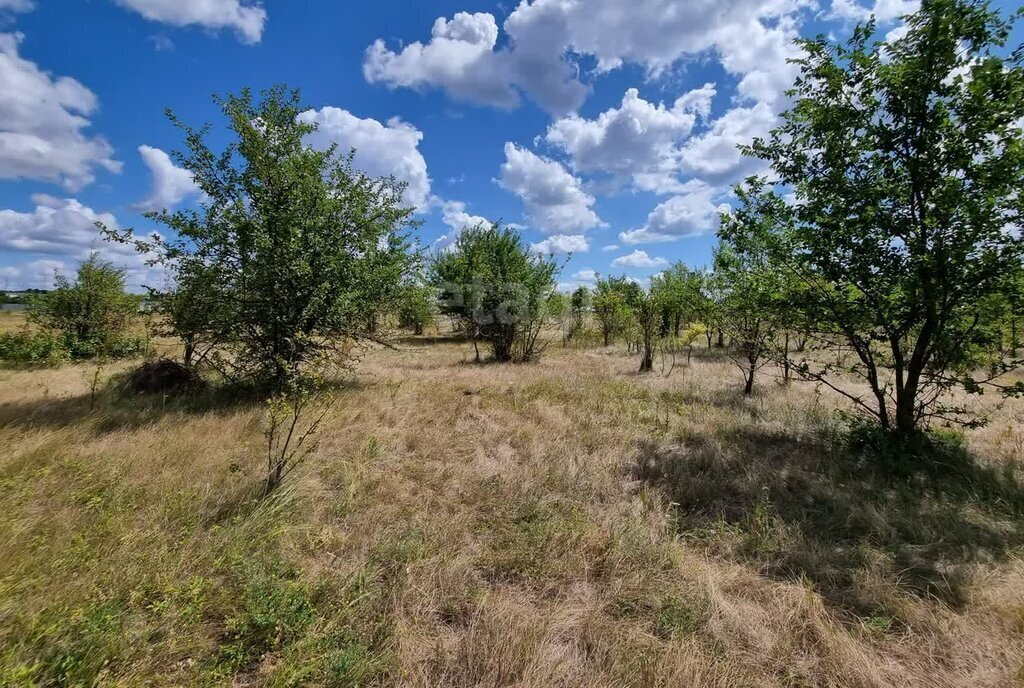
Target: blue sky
{"x":603,"y":126}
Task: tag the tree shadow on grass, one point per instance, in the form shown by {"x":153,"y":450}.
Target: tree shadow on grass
{"x":111,"y":409}
{"x":812,"y":509}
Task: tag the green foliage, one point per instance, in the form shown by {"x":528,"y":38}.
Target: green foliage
{"x":293,"y":251}
{"x":753,"y":286}
{"x":906,"y":160}
{"x":497,"y":288}
{"x":274,"y":611}
{"x":417,"y":306}
{"x":33,"y":348}
{"x":612,"y":302}
{"x":90,"y":315}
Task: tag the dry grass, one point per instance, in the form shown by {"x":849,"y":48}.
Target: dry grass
{"x":566,"y":523}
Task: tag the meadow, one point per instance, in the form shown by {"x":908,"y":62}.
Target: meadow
{"x":561,"y":523}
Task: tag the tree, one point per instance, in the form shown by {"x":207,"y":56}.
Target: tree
{"x":293,"y":249}
{"x":497,"y":288}
{"x":579,"y":304}
{"x":906,"y":160}
{"x":92,"y":313}
{"x":647,"y":311}
{"x":678,"y":290}
{"x":417,"y":308}
{"x":611,"y":301}
{"x":751,"y":287}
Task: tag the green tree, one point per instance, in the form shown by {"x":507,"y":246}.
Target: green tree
{"x":297,"y":250}
{"x":93,"y":313}
{"x":417,"y":308}
{"x":907,"y":163}
{"x":751,"y":282}
{"x":647,"y":310}
{"x":612,"y":302}
{"x":579,"y":305}
{"x":497,"y":288}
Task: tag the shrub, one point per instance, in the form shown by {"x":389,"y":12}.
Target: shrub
{"x":91,"y":314}
{"x":37,"y":348}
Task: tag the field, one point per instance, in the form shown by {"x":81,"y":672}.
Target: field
{"x":565,"y":523}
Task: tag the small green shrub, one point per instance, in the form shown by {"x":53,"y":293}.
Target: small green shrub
{"x":35,"y":348}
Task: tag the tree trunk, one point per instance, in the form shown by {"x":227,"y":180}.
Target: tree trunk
{"x":647,"y":361}
{"x":748,"y":388}
{"x":721,"y":339}
{"x":785,"y":358}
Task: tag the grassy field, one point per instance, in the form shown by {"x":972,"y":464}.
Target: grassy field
{"x":568,"y":523}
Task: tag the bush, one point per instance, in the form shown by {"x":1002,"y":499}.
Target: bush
{"x":38,"y":348}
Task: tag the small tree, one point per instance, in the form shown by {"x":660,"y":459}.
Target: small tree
{"x":417,"y":308}
{"x":647,"y":311}
{"x":578,"y":306}
{"x":906,"y":160}
{"x":497,"y":288}
{"x":92,"y":313}
{"x":611,"y":302}
{"x":294,"y":251}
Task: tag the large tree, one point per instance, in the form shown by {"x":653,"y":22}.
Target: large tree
{"x":292,"y":248}
{"x":906,"y":160}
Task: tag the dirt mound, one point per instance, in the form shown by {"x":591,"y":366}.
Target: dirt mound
{"x":162,"y":376}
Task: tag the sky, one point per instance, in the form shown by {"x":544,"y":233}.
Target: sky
{"x":605,"y":129}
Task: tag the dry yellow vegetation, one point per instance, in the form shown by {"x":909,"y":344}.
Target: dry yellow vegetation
{"x":565,"y":523}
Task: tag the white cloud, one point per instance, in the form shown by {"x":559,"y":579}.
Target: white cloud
{"x":66,"y":229}
{"x":554,"y":199}
{"x":611,"y":247}
{"x":381,"y":149}
{"x":639,"y":259}
{"x":562,"y":243}
{"x":883,"y":10}
{"x":638,"y":140}
{"x":543,"y":36}
{"x":41,"y":123}
{"x":688,"y":214}
{"x":713,"y":155}
{"x":56,"y":226}
{"x":585,"y":275}
{"x":458,"y":58}
{"x":453,"y":214}
{"x":36,"y":274}
{"x":246,"y":19}
{"x":171,"y":184}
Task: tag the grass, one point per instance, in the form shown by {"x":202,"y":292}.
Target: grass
{"x":566,"y":523}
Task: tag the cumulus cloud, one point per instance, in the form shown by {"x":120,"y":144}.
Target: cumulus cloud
{"x":543,"y":36}
{"x":171,"y":184}
{"x":554,"y":199}
{"x":455,"y":216}
{"x":562,"y":243}
{"x":381,"y":149}
{"x":246,"y":19}
{"x":64,"y":230}
{"x":42,"y":119}
{"x":56,"y":226}
{"x":713,"y":154}
{"x":638,"y":140}
{"x":585,"y":275}
{"x":688,"y":214}
{"x":35,"y":274}
{"x":882,"y":10}
{"x":639,"y":259}
{"x":459,"y":58}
